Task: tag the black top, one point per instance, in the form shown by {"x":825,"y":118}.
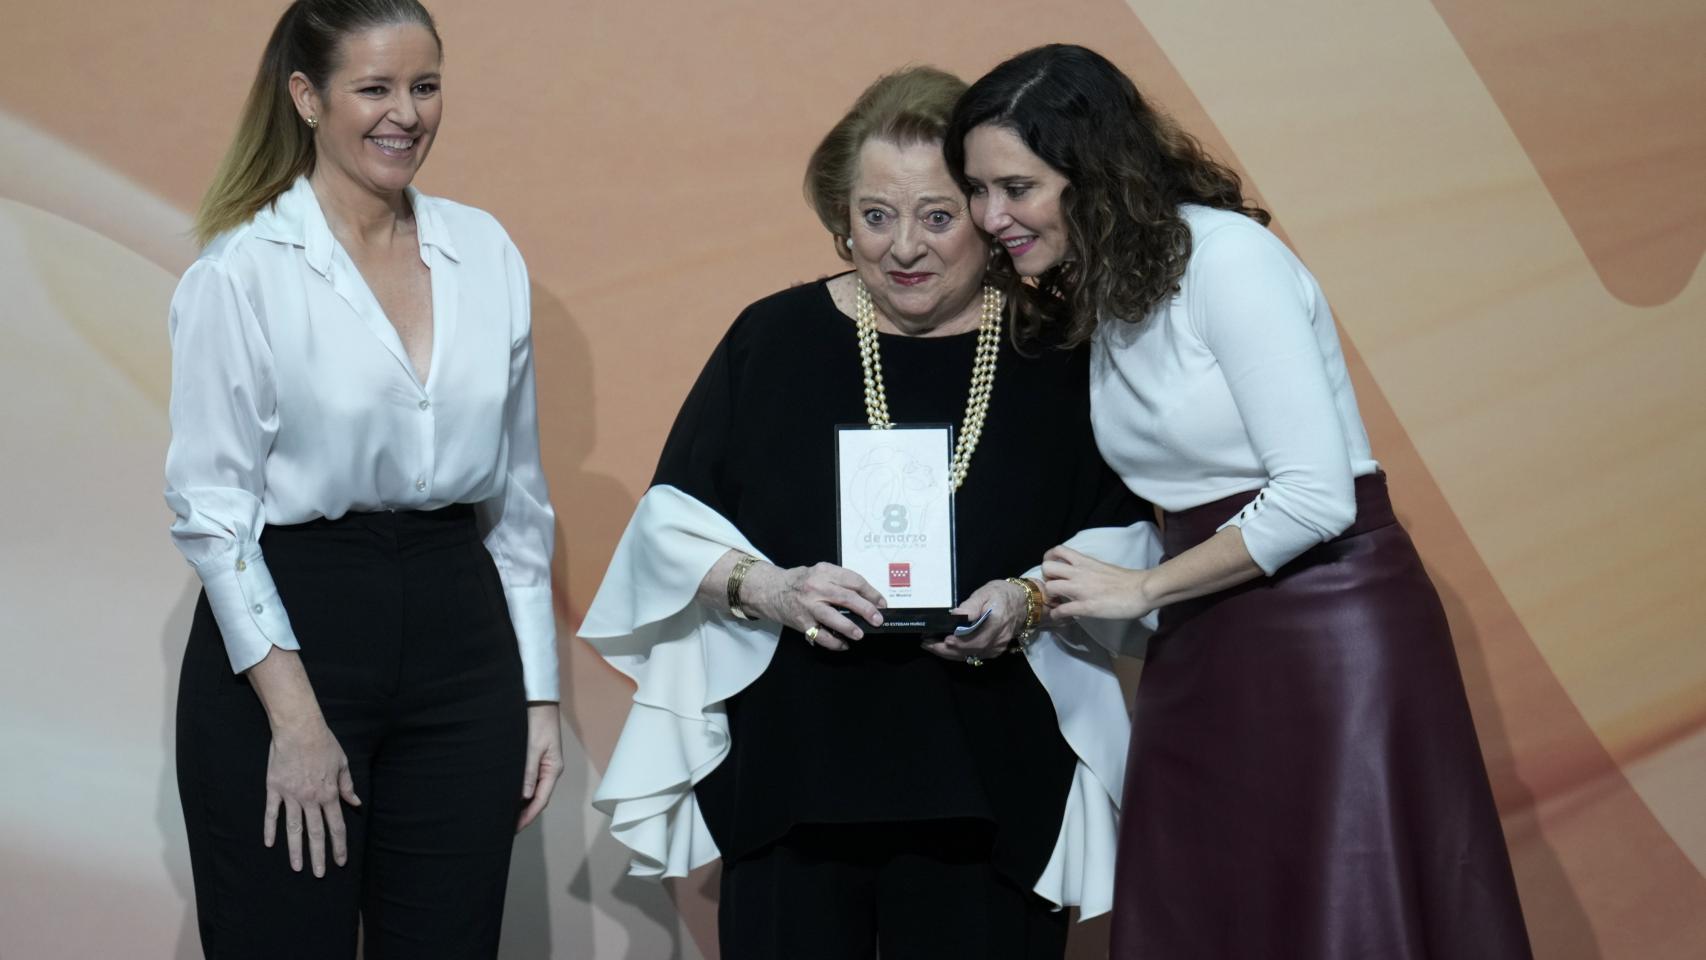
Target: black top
{"x":887,"y":731}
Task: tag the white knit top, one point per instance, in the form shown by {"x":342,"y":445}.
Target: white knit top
{"x":1237,"y":383}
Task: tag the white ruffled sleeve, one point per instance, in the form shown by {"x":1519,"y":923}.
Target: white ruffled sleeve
{"x":1075,"y":666}
{"x":686,"y":661}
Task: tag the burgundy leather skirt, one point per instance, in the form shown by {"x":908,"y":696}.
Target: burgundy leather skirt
{"x":1304,"y":779}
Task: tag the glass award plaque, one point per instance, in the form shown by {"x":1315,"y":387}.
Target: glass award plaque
{"x":895,"y":513}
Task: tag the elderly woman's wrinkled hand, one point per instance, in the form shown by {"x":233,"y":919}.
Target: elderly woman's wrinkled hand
{"x":807,"y":598}
{"x":999,"y":632}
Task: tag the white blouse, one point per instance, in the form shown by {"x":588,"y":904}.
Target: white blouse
{"x":294,"y":399}
{"x":1236,"y":384}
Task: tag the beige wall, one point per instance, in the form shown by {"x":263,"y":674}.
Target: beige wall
{"x":1502,"y":200}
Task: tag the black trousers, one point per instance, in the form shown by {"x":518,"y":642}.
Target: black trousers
{"x":407,"y":640}
{"x":909,"y":891}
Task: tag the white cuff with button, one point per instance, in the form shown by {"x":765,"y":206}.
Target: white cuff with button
{"x":245,"y":604}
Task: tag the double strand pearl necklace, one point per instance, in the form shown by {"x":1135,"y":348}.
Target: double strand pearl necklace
{"x":982,"y":375}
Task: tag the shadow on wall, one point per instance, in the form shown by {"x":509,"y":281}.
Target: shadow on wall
{"x":170,"y":813}
{"x":1557,"y":922}
{"x":527,"y":905}
{"x":592,"y":509}
{"x":659,"y":937}
{"x":1485,"y":629}
{"x":548,"y":916}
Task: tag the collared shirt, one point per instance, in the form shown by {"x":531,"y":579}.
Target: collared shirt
{"x":293,"y":399}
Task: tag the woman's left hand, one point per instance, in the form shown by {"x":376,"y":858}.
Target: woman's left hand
{"x":1006,"y":605}
{"x":544,"y":759}
{"x":1082,"y":586}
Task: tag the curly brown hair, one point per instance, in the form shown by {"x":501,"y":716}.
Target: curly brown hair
{"x":1128,"y":168}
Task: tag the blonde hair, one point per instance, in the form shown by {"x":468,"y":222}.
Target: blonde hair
{"x":273,"y":146}
{"x":906,"y":107}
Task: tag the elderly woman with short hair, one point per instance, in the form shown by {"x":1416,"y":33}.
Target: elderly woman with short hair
{"x":919,"y":796}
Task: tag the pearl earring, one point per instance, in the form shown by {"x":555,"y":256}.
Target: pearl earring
{"x":849,"y":243}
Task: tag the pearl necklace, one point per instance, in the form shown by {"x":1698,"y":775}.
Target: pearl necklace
{"x":982,"y":375}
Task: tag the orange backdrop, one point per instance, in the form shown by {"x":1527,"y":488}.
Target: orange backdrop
{"x":1503,"y":202}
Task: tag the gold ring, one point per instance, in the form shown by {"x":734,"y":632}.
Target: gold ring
{"x":811,"y":634}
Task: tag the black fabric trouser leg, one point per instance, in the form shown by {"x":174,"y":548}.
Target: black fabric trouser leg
{"x":407,"y":641}
{"x":913,"y":891}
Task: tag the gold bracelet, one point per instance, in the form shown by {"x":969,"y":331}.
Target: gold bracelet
{"x":737,"y":576}
{"x":1034,"y":602}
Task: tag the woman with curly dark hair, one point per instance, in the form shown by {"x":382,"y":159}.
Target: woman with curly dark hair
{"x":1304,"y":778}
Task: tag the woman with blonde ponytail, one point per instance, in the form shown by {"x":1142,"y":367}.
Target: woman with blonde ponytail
{"x":371,"y":674}
{"x":273,"y":145}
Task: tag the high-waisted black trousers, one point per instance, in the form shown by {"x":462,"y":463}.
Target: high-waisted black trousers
{"x":407,"y":640}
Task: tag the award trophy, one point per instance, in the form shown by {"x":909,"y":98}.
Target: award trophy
{"x":895,"y":508}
